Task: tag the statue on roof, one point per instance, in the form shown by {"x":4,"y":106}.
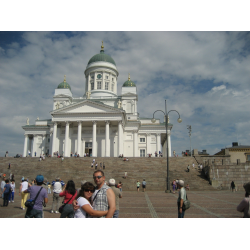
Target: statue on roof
{"x":28,"y":121}
{"x":37,"y":118}
{"x":119,"y":104}
{"x":57,"y":105}
{"x":88,"y":93}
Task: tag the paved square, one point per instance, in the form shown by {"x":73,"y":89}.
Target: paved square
{"x":156,"y":204}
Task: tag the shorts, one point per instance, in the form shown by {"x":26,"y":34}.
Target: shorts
{"x":143,"y":186}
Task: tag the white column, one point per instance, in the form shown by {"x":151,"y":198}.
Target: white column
{"x":135,"y":143}
{"x":158,"y":145}
{"x":94,"y":149}
{"x":120,"y":138}
{"x":66,"y":141}
{"x":107,"y":140}
{"x":169,"y":143}
{"x":25,"y":145}
{"x":34,"y":146}
{"x":79,"y":141}
{"x":148,"y":144}
{"x":83,"y":147}
{"x":54,"y":139}
{"x":50,"y":143}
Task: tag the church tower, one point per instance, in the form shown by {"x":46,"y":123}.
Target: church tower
{"x":101,"y":76}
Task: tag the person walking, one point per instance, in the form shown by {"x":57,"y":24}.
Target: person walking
{"x":40,"y":195}
{"x":174,"y":186}
{"x":244,"y":206}
{"x":70,"y":193}
{"x":2,"y":186}
{"x":125,"y":175}
{"x":144,"y":185}
{"x":24,"y":186}
{"x":188,"y":167}
{"x":181,"y":198}
{"x":13,"y":188}
{"x":233,"y":186}
{"x":49,"y":188}
{"x":96,"y":165}
{"x":57,"y":189}
{"x":138,"y":185}
{"x":118,"y":195}
{"x":9,"y":165}
{"x":103,"y":197}
{"x":103,"y":167}
{"x":6,"y":193}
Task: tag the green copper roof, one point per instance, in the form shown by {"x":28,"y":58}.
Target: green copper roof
{"x":101,"y":57}
{"x":129,"y":83}
{"x":64,"y":84}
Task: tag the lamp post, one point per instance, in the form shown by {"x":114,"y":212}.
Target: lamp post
{"x":189,"y":133}
{"x":166,"y":124}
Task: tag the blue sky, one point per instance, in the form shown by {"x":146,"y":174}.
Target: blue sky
{"x":203,"y":75}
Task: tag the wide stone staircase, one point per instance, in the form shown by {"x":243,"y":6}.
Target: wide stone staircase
{"x":153,"y":170}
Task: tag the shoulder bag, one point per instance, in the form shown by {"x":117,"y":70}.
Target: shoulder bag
{"x":62,"y":207}
{"x":186,"y":204}
{"x":30,"y":203}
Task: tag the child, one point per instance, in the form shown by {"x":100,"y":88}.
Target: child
{"x":49,"y":190}
{"x":13,"y":186}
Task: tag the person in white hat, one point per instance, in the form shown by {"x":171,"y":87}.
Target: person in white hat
{"x":118,"y":195}
{"x":244,"y":205}
{"x":182,"y":197}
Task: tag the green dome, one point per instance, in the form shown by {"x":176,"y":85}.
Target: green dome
{"x":129,"y":83}
{"x":101,"y":57}
{"x":64,"y":85}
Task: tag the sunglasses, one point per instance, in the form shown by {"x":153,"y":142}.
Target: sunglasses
{"x":89,"y":190}
{"x":98,"y":177}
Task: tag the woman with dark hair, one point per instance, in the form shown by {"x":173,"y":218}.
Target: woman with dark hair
{"x":84,"y":201}
{"x":244,"y":206}
{"x":69,"y":191}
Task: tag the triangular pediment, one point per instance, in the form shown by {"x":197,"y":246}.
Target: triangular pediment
{"x":86,"y":106}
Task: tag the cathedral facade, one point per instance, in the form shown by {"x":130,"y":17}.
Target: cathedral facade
{"x":100,"y":123}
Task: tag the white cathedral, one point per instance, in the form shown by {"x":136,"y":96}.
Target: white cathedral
{"x":101,"y":123}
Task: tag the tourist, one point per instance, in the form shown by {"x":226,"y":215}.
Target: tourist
{"x":233,"y":186}
{"x":57,"y":189}
{"x":188,"y":167}
{"x":6,"y":193}
{"x":243,"y":207}
{"x":118,"y":195}
{"x":119,"y":185}
{"x":92,"y":165}
{"x":193,"y":165}
{"x":125,"y":175}
{"x":85,"y":203}
{"x":138,"y":185}
{"x":9,"y":165}
{"x":103,"y":167}
{"x":70,"y":193}
{"x":12,"y":177}
{"x":41,"y":199}
{"x":103,"y":198}
{"x":182,"y":197}
{"x":49,"y":188}
{"x":2,"y":186}
{"x":96,"y":166}
{"x":100,"y":165}
{"x":24,"y":186}
{"x":174,"y":186}
{"x":187,"y":187}
{"x":13,"y":187}
{"x":144,"y":185}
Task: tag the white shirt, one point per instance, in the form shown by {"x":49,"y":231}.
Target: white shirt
{"x":80,"y":213}
{"x":13,"y":186}
{"x":24,"y":186}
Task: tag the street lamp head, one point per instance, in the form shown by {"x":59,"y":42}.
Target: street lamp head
{"x":153,"y":120}
{"x":179,"y":120}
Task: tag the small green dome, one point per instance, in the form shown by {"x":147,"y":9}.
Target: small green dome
{"x":64,"y":85}
{"x":129,"y":83}
{"x":101,"y":57}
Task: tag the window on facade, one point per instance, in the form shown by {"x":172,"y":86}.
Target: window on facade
{"x":107,"y":77}
{"x":92,"y":76}
{"x":142,"y":139}
{"x":112,"y":79}
{"x":112,"y":87}
{"x":106,"y":85}
{"x":92,"y":85}
{"x":99,"y":85}
{"x":48,"y":139}
{"x":142,"y":152}
{"x":248,"y":158}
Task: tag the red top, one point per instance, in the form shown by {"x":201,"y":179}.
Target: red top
{"x":68,"y":196}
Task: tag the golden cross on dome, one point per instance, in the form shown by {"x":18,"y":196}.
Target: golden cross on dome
{"x":102,"y":47}
{"x":64,"y":78}
{"x":129,"y":76}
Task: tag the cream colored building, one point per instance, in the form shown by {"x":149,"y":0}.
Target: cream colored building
{"x":101,"y":122}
